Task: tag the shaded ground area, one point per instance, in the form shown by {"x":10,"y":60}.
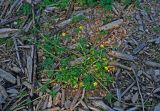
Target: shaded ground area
{"x":44,"y":51}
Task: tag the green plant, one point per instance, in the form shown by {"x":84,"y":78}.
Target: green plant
{"x":86,"y":2}
{"x":82,"y":74}
{"x":106,"y":4}
{"x":79,"y":18}
{"x":107,"y":19}
{"x":61,"y":4}
{"x":7,"y":41}
{"x":128,"y":2}
{"x":109,"y":98}
{"x":26,"y":9}
{"x":156,"y":29}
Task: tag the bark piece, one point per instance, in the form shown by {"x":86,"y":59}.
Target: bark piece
{"x":67,"y":104}
{"x":139,"y":48}
{"x":120,"y":65}
{"x":75,"y":99}
{"x":157,"y":107}
{"x":157,"y":72}
{"x":135,"y":97}
{"x":3,"y":94}
{"x":132,"y":109}
{"x":157,"y":90}
{"x":15,"y":69}
{"x":7,"y":76}
{"x":121,"y":56}
{"x":53,"y":109}
{"x":93,"y":109}
{"x":12,"y":91}
{"x":101,"y":104}
{"x":49,"y":105}
{"x":156,"y":40}
{"x":152,"y":64}
{"x":5,"y":32}
{"x":111,"y":25}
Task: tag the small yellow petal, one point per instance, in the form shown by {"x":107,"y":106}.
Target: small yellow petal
{"x":104,"y":59}
{"x":101,"y":46}
{"x":63,"y":34}
{"x":95,"y":84}
{"x":106,"y":68}
{"x":81,"y":84}
{"x":81,"y":27}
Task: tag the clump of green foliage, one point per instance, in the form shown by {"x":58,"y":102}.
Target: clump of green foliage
{"x":26,"y":8}
{"x":79,"y":18}
{"x":156,"y":29}
{"x":106,"y":4}
{"x":128,"y":2}
{"x":92,"y":66}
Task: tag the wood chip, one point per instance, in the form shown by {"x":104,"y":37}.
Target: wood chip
{"x":75,"y":99}
{"x":111,"y":25}
{"x":12,"y":91}
{"x":134,"y":98}
{"x":29,"y":68}
{"x":57,"y":99}
{"x":53,"y":109}
{"x":7,"y":76}
{"x":27,"y":84}
{"x":63,"y":98}
{"x":157,"y":107}
{"x":101,"y":104}
{"x":15,"y":69}
{"x":118,"y":109}
{"x":120,"y":65}
{"x":157,"y":90}
{"x":132,"y":109}
{"x":152,"y":64}
{"x":67,"y":104}
{"x":3,"y":93}
{"x":49,"y":105}
{"x":45,"y":102}
{"x":93,"y":109}
{"x":139,"y":48}
{"x":157,"y":72}
{"x":5,"y":32}
{"x":121,"y":55}
{"x":129,"y":87}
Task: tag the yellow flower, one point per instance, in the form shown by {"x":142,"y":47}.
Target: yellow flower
{"x":63,"y":34}
{"x":104,"y":59}
{"x":95,"y":83}
{"x":81,"y":27}
{"x":102,"y":46}
{"x":81,"y":84}
{"x":106,"y":68}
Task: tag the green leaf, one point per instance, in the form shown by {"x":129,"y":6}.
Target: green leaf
{"x":26,"y":8}
{"x":48,"y":62}
{"x":109,"y":98}
{"x":53,"y":93}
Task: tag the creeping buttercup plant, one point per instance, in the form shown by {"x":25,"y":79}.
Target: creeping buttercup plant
{"x":85,"y":73}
